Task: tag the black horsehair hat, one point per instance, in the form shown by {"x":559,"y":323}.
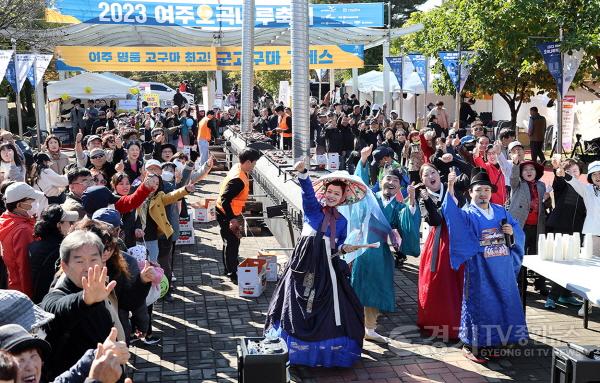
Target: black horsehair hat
{"x":479,"y":176}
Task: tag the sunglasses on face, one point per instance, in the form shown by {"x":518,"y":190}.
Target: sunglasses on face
{"x":97,"y":156}
{"x":478,"y":129}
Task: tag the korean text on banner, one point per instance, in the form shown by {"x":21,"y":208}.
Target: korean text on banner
{"x":551,"y":54}
{"x":5,"y":57}
{"x":209,"y":14}
{"x":451,"y":63}
{"x":152,"y":99}
{"x":420,"y":64}
{"x":37,"y":70}
{"x":279,"y":57}
{"x":99,"y":59}
{"x":396,"y":67}
{"x":568,"y":121}
{"x":16,"y":72}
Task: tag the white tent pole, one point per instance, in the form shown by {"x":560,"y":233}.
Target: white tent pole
{"x":355,"y":83}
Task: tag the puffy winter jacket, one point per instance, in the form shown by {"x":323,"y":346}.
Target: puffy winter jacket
{"x":16,"y":233}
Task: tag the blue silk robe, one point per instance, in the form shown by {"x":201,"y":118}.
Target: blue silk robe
{"x":492,"y":313}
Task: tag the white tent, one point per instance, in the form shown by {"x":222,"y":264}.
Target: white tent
{"x":373,"y":82}
{"x":124,"y":80}
{"x":89,"y":85}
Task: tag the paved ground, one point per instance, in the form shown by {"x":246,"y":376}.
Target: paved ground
{"x":201,"y":327}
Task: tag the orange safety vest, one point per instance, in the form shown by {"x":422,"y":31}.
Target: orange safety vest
{"x":204,"y":130}
{"x":238,"y":203}
{"x":286,"y":131}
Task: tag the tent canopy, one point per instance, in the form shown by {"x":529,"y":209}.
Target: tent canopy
{"x":90,"y":85}
{"x":151,"y":35}
{"x":373,"y":82}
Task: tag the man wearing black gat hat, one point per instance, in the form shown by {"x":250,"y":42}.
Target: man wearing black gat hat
{"x":489,"y":242}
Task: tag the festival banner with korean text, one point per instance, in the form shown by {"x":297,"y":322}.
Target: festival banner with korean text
{"x":451,"y":62}
{"x":175,"y":59}
{"x":99,"y":59}
{"x":210,"y":14}
{"x":16,"y":72}
{"x":38,"y":68}
{"x":568,"y":121}
{"x":396,"y":67}
{"x":279,"y":57}
{"x":563,"y":69}
{"x":420,"y":64}
{"x":551,"y":54}
{"x":5,"y":57}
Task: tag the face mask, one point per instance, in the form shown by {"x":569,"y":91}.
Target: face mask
{"x":34,"y":209}
{"x":167,"y":176}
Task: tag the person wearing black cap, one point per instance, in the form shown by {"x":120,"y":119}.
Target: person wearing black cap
{"x":371,"y":173}
{"x":102,"y":364}
{"x":489,"y":242}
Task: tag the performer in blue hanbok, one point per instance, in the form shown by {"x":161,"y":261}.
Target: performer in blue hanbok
{"x":489,"y":241}
{"x":373,"y":271}
{"x":314,"y":307}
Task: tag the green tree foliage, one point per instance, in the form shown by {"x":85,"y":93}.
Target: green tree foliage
{"x":504,"y":34}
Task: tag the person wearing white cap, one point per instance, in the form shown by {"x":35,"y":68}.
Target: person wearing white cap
{"x":16,"y":233}
{"x":591,"y":198}
{"x":152,"y":214}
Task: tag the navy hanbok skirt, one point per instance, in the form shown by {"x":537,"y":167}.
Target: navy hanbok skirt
{"x":301,"y":310}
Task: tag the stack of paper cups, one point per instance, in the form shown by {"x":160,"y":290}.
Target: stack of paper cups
{"x":549,"y":254}
{"x":588,"y":247}
{"x":566,"y":245}
{"x":542,"y":246}
{"x":558,"y":247}
{"x":576,"y":245}
{"x":573,"y":248}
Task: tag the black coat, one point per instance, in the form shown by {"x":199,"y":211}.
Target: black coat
{"x":76,"y":327}
{"x":130,"y":172}
{"x":569,"y":214}
{"x":43,"y":256}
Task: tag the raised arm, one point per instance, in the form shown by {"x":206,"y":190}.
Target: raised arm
{"x":310,"y":203}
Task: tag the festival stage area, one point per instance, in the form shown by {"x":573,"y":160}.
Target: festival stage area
{"x":200,"y":329}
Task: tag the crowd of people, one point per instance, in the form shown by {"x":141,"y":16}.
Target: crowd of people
{"x":88,"y":236}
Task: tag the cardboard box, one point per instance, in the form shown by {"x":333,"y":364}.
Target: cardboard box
{"x":272,"y":267}
{"x":333,"y":161}
{"x":204,"y":210}
{"x":322,"y":160}
{"x":249,"y":290}
{"x":208,"y":214}
{"x":186,"y":232}
{"x":252,"y":277}
{"x":186,"y":224}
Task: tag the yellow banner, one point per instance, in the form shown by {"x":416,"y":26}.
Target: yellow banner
{"x":97,"y":59}
{"x":163,"y":59}
{"x":280,"y":57}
